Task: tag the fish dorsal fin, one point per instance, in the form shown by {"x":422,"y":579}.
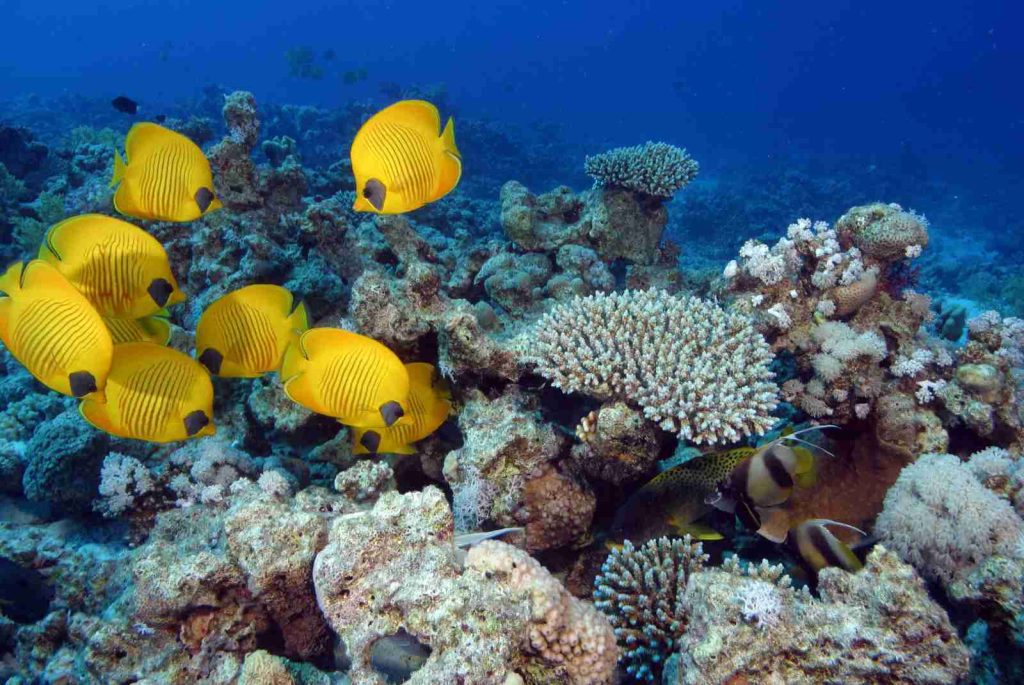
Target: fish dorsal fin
{"x":418,"y":114}
{"x":144,"y":137}
{"x":825,"y":523}
{"x":53,"y":236}
{"x":11,"y":281}
{"x":41,"y":274}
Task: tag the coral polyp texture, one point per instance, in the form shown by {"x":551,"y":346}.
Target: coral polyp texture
{"x":657,"y":169}
{"x":642,"y":590}
{"x":693,"y":367}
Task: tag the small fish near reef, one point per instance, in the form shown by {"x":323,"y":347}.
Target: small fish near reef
{"x":53,"y":330}
{"x":819,"y":548}
{"x":400,"y":160}
{"x":155,"y":329}
{"x":245,"y":333}
{"x":755,"y":479}
{"x":429,"y":407}
{"x":154,"y":393}
{"x":125,"y":105}
{"x":122,"y":270}
{"x":164,"y":176}
{"x":348,"y":376}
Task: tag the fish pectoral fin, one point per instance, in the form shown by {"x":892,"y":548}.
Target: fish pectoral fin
{"x":450,"y":168}
{"x":774,"y":523}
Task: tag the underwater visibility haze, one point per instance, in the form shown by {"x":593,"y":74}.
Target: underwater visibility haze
{"x":535,"y":343}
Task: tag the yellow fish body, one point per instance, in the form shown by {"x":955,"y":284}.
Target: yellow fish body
{"x":400,"y":162}
{"x":429,"y":406}
{"x":244,"y":334}
{"x":155,"y":329}
{"x":348,"y":376}
{"x":53,"y":330}
{"x":120,"y":268}
{"x":154,"y":393}
{"x":166,"y":176}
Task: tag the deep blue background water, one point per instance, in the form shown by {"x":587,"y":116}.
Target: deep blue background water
{"x":727,"y":79}
{"x":870,"y":99}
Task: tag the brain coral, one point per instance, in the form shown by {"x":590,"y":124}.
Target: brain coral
{"x":656,"y":169}
{"x":693,"y":367}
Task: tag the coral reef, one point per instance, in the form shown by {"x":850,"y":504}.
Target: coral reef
{"x":395,"y":567}
{"x":876,"y":625}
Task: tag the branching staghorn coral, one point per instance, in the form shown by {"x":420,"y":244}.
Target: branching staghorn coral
{"x":642,"y":592}
{"x":693,"y":367}
{"x":657,"y":169}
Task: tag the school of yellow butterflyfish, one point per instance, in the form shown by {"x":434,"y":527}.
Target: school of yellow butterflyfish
{"x":88,"y":317}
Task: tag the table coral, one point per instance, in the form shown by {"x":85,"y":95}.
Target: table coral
{"x":657,"y":169}
{"x":693,"y":367}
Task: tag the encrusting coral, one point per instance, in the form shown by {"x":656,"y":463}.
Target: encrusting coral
{"x":877,"y":625}
{"x":395,"y":567}
{"x":694,"y":368}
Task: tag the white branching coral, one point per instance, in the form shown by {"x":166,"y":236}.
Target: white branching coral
{"x":122,"y":480}
{"x":693,"y":367}
{"x":657,"y":169}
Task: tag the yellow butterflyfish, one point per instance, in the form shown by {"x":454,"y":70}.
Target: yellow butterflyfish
{"x":164,"y":176}
{"x":401,"y":162}
{"x":429,"y":406}
{"x":351,"y":377}
{"x":154,"y":393}
{"x":53,"y":330}
{"x":244,"y":334}
{"x":120,"y":268}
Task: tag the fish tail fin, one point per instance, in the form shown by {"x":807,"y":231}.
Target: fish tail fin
{"x":448,"y":139}
{"x":298,"y":321}
{"x":451,"y":161}
{"x":10,"y":281}
{"x":119,"y":168}
{"x":5,"y":317}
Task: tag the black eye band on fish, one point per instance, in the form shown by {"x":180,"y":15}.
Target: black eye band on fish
{"x":391,"y":412}
{"x":160,"y":290}
{"x":204,"y":198}
{"x":195,"y":422}
{"x":212,"y":360}
{"x":375,"y":192}
{"x":82,"y":383}
{"x":371,"y":441}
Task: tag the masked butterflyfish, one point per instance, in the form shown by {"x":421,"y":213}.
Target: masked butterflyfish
{"x":355,"y":379}
{"x":399,"y":160}
{"x":244,"y":334}
{"x":120,"y":268}
{"x":154,"y":393}
{"x":155,"y":329}
{"x":429,"y":406}
{"x":164,"y":176}
{"x":53,"y":330}
{"x":820,"y":548}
